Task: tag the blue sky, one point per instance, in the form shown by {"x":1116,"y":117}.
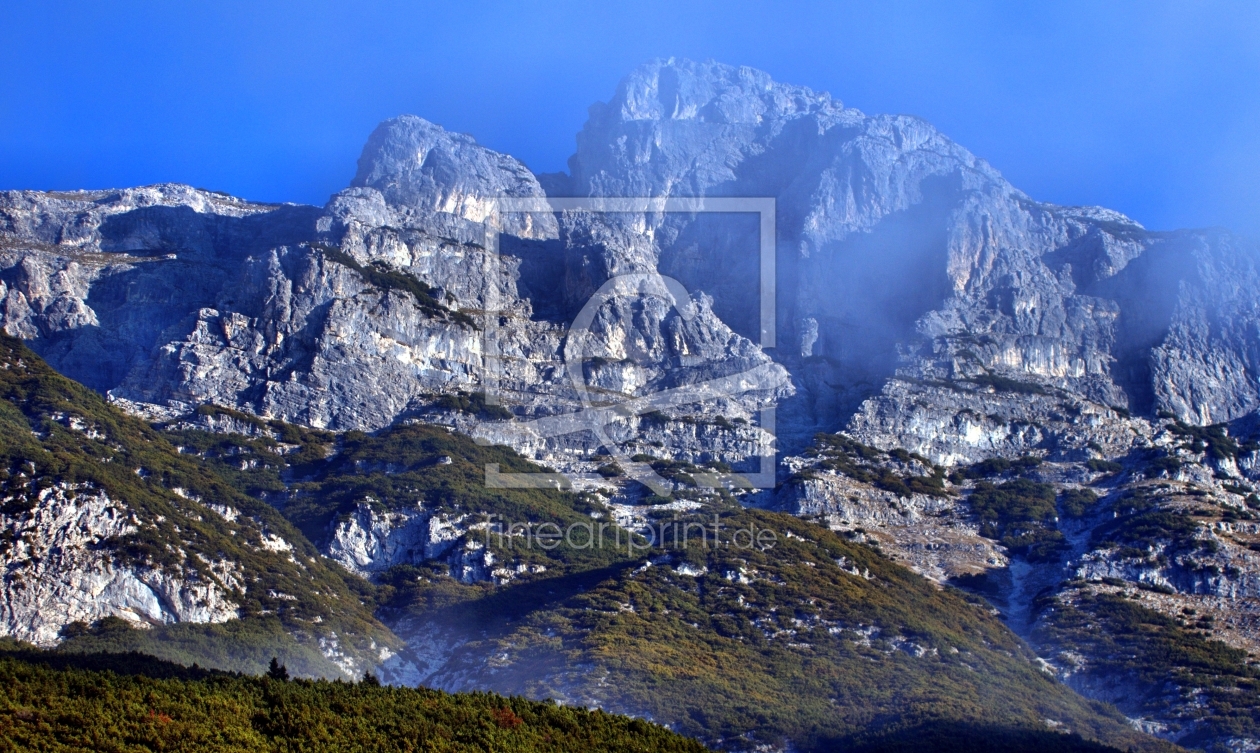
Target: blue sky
{"x":1152,"y":108}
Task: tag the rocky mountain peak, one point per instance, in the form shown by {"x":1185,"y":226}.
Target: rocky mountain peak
{"x":677,"y":127}
{"x":979,"y":381}
{"x":420,"y":166}
{"x":680,"y":127}
{"x":682,"y":89}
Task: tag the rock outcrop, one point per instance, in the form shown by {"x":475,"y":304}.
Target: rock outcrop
{"x":369,"y":311}
{"x":372,"y":540}
{"x":925,"y":307}
{"x":421,"y":168}
{"x":105,"y":525}
{"x":57,"y":572}
{"x":902,"y":253}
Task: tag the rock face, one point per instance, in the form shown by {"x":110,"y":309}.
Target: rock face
{"x":931,"y":311}
{"x":169,"y":296}
{"x":369,"y":311}
{"x":371,"y":541}
{"x":1082,"y":299}
{"x":420,"y":167}
{"x":1090,"y":529}
{"x":107,"y":525}
{"x":57,"y":573}
{"x":96,"y":278}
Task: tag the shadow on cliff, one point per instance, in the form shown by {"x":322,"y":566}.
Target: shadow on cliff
{"x":541,"y":277}
{"x":848,"y":311}
{"x":506,"y":605}
{"x":846,"y":308}
{"x":1147,"y":290}
{"x":187,"y":258}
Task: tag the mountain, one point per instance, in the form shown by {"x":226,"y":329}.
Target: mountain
{"x":112,"y":537}
{"x":811,"y":644}
{"x":1081,"y":298}
{"x":1134,"y":578}
{"x":1050,"y":407}
{"x":807,"y":640}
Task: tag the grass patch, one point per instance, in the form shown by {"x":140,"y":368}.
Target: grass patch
{"x":1212,"y":440}
{"x":473,"y":404}
{"x":867,"y":464}
{"x":1103,"y":466}
{"x":1006,"y":384}
{"x":1077,"y":502}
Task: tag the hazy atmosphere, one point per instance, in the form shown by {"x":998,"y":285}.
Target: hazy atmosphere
{"x":1147,"y":108}
{"x":643,"y":377}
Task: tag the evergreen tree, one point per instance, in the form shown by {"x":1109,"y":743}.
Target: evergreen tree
{"x":278,"y":671}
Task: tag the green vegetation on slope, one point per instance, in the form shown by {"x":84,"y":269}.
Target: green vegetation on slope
{"x":396,"y":469}
{"x":1007,"y":384}
{"x":473,"y":404}
{"x":1141,"y":526}
{"x":1213,"y":440}
{"x":996,"y":467}
{"x":125,"y":703}
{"x":869,"y":465}
{"x":1077,"y":502}
{"x":816,"y":641}
{"x":245,"y":645}
{"x":790,"y":643}
{"x":421,"y":463}
{"x":1021,"y":514}
{"x":1155,"y":663}
{"x":259,"y":456}
{"x":54,"y":430}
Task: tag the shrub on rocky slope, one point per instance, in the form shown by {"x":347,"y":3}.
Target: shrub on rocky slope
{"x":804,"y":640}
{"x":104,"y":517}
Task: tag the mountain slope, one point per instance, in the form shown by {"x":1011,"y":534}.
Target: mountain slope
{"x":1129,"y":563}
{"x":1041,"y":403}
{"x":408,"y":495}
{"x":812,"y":644}
{"x":104,"y":518}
